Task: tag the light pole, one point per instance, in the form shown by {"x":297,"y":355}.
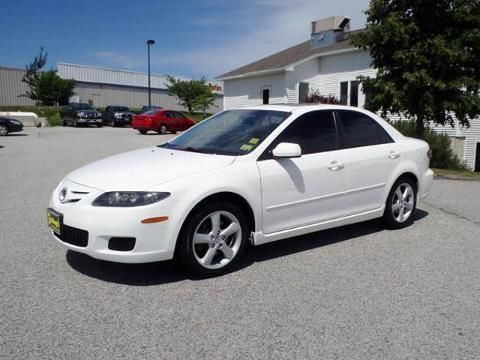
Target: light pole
{"x":149,"y":43}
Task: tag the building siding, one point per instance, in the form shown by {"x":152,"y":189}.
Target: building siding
{"x":12,"y":87}
{"x":248,"y":92}
{"x":102,"y":95}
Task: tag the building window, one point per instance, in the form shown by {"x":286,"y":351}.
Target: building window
{"x":344,"y":92}
{"x":266,"y":96}
{"x":303,"y":88}
{"x":354,"y":93}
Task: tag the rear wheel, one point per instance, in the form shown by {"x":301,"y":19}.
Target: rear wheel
{"x":401,"y":204}
{"x":3,"y":130}
{"x":163,"y":129}
{"x":143,"y":132}
{"x":75,"y":123}
{"x":214,"y":239}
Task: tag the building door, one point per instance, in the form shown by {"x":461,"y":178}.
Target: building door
{"x":266,"y":96}
{"x":477,"y":158}
{"x":303,"y":88}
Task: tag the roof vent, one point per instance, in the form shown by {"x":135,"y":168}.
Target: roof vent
{"x":329,"y":31}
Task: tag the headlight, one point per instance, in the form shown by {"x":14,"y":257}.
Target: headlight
{"x":129,"y":198}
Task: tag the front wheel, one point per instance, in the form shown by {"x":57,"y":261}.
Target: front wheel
{"x":214,"y":239}
{"x":3,"y":130}
{"x":75,"y":123}
{"x":143,"y":132}
{"x":401,"y":204}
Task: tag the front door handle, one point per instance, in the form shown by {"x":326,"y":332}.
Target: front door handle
{"x":335,"y":166}
{"x":393,"y":155}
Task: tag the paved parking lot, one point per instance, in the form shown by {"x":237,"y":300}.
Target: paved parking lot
{"x":358,"y":292}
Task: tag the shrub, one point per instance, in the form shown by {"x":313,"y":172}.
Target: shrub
{"x":442,"y":154}
{"x":316,"y":98}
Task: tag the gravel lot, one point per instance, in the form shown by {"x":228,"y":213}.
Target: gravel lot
{"x":358,"y":292}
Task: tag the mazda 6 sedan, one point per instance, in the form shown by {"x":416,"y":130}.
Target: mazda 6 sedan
{"x":242,"y":177}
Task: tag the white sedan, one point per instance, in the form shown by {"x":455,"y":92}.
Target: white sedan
{"x":244,"y":176}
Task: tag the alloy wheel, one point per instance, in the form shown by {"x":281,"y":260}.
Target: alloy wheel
{"x":217,"y":240}
{"x":403,"y":202}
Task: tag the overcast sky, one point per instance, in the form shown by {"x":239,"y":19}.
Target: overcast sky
{"x":193,"y":38}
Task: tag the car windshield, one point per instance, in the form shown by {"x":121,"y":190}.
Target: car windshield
{"x":81,"y":106}
{"x":232,"y":132}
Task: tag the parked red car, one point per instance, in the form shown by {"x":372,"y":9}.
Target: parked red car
{"x":161,"y":121}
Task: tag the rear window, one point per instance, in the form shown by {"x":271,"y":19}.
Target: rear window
{"x":361,"y":130}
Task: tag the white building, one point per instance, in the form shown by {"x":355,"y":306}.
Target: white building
{"x":328,"y":65}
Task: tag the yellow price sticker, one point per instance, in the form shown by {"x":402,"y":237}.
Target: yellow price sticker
{"x":246,"y":147}
{"x":254,"y":141}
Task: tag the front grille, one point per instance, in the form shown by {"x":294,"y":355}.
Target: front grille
{"x":74,"y":236}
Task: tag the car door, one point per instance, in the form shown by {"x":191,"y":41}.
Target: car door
{"x":171,"y":120}
{"x":305,"y":190}
{"x":181,"y":121}
{"x":370,"y":158}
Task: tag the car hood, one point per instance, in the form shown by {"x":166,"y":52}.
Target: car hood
{"x":141,"y":169}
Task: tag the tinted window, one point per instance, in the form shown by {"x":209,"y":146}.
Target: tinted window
{"x":315,"y":132}
{"x":343,"y":92}
{"x":361,"y":130}
{"x":353,"y":93}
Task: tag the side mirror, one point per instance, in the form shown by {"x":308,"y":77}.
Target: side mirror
{"x":287,"y":150}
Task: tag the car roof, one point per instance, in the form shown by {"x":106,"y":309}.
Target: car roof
{"x":298,"y":107}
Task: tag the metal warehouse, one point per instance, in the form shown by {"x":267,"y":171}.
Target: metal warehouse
{"x":101,"y":87}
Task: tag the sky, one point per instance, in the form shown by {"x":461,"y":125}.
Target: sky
{"x":193,"y":38}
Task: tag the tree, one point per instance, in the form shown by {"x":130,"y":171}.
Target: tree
{"x":427,"y":54}
{"x":33,"y":73}
{"x":53,"y":90}
{"x":193,"y":94}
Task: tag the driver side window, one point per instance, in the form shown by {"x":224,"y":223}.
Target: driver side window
{"x":315,"y":132}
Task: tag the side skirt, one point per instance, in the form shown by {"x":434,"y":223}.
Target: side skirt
{"x":261,"y":238}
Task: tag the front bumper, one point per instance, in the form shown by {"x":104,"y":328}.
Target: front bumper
{"x":81,"y":120}
{"x":153,"y":242}
{"x":15,"y":128}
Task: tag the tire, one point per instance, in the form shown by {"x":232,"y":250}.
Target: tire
{"x":143,"y":132}
{"x":75,"y":123}
{"x":401,"y":204}
{"x":163,"y":129}
{"x":63,"y":122}
{"x":99,"y":125}
{"x":201,"y":247}
{"x":3,"y":130}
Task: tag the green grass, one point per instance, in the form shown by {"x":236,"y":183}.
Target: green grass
{"x":462,"y":173}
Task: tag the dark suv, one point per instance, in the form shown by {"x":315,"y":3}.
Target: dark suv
{"x":77,"y":114}
{"x":117,"y":116}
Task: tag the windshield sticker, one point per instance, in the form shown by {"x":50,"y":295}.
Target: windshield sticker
{"x":254,"y":141}
{"x":246,"y":147}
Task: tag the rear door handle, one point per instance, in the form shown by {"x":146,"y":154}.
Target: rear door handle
{"x":335,"y":166}
{"x":393,"y":155}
